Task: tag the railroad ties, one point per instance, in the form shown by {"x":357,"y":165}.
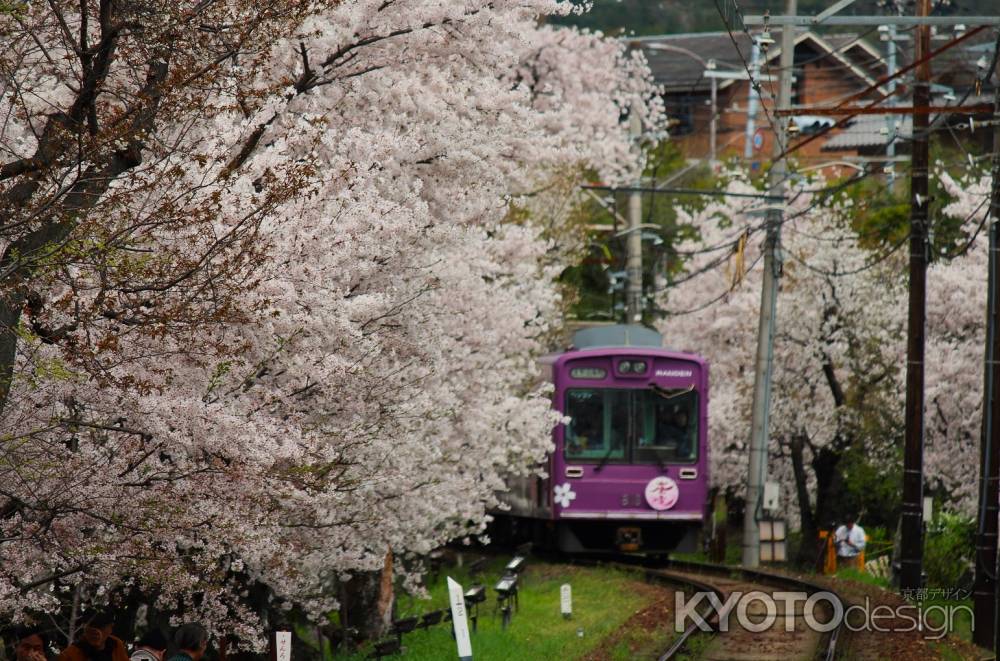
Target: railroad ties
{"x":743,"y":639}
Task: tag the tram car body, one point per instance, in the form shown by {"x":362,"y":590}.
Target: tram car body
{"x":630,"y":467}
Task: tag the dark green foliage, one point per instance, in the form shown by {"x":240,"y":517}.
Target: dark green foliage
{"x":948,"y":549}
{"x":872,"y":490}
{"x":883,"y":215}
{"x":590,"y":279}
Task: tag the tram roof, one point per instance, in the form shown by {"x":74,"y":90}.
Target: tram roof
{"x":617,"y":335}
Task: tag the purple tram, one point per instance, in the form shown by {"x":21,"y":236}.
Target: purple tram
{"x":630,"y":468}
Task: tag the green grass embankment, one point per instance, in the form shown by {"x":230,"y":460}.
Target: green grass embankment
{"x":603,"y":600}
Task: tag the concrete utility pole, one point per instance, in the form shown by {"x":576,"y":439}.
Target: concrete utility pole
{"x":890,"y":120}
{"x":633,"y":240}
{"x":768,"y":309}
{"x":984,"y":591}
{"x":713,"y":123}
{"x":753,"y":99}
{"x":911,"y":551}
{"x":912,"y":546}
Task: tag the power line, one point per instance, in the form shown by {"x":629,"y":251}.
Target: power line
{"x":754,"y":83}
{"x":680,"y":191}
{"x":968,"y":244}
{"x":861,"y":269}
{"x":715,"y":300}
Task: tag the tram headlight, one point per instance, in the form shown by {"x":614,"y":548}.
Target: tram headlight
{"x":625,"y":367}
{"x":639,"y":367}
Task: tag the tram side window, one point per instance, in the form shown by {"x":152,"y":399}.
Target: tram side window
{"x":668,"y":426}
{"x":598,"y":426}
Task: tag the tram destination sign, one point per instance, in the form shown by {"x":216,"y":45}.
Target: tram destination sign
{"x":596,"y":373}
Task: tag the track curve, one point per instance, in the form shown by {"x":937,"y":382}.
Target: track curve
{"x":789,"y":638}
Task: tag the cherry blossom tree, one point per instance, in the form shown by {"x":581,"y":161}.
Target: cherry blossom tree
{"x":839,"y":343}
{"x":837,"y":340}
{"x":956,"y":320}
{"x":268,"y":321}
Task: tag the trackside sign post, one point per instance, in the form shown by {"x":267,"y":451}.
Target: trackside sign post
{"x":566,"y":600}
{"x":458,"y":617}
{"x":283,"y":645}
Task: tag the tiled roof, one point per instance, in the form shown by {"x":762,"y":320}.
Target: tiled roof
{"x":679,"y":72}
{"x":869,"y":131}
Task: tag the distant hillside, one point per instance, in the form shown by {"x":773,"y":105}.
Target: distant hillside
{"x":672,"y":16}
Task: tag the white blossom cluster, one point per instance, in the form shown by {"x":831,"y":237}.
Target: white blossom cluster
{"x":841,"y":306}
{"x":350,"y":371}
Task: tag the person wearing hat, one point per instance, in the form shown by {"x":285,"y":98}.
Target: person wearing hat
{"x":96,"y":642}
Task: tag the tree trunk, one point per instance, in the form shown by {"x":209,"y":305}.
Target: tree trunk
{"x":367,"y":602}
{"x":808,"y":547}
{"x":829,"y":486}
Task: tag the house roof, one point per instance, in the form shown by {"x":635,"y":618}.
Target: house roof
{"x":677,"y":71}
{"x":869,"y":131}
{"x":955,"y":67}
{"x":681,"y":68}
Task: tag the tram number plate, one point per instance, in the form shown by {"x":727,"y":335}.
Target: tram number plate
{"x":631,"y":500}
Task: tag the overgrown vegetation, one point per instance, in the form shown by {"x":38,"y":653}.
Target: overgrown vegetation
{"x":948,"y":550}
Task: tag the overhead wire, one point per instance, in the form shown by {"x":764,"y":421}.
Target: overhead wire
{"x":755,"y":84}
{"x":971,"y":240}
{"x":861,"y":269}
{"x":788,"y":220}
{"x":708,"y":304}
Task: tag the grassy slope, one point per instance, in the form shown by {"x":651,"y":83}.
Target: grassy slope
{"x":603,"y":600}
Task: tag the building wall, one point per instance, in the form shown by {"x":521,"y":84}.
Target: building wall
{"x":824,"y":82}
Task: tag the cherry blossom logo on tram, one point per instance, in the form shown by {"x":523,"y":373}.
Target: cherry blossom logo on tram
{"x":564,"y":495}
{"x":662,"y":493}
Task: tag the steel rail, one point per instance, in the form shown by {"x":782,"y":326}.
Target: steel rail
{"x":657,"y":569}
{"x":767,"y":578}
{"x":660,"y":572}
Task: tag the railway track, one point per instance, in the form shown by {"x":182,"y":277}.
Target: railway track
{"x":737,"y":642}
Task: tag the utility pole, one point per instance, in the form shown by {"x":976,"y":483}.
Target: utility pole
{"x":752,"y":100}
{"x":984,"y":590}
{"x":890,"y":120}
{"x":712,"y":125}
{"x":768,"y":309}
{"x":912,"y":546}
{"x":633,"y":238}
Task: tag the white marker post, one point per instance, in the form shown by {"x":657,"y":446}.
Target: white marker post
{"x":458,"y":617}
{"x":566,"y":601}
{"x":283,"y":645}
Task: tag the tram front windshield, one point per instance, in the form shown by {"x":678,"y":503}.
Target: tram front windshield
{"x":610,"y":425}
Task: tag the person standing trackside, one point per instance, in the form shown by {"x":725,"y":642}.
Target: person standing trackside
{"x":96,"y":642}
{"x":850,"y":541}
{"x":191,"y":641}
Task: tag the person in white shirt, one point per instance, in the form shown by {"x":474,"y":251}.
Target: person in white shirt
{"x":850,"y":541}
